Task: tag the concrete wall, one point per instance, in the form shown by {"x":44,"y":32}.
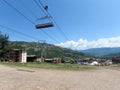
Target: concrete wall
{"x":24,"y":57}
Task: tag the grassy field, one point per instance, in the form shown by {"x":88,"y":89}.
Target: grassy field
{"x":60,"y":66}
{"x":118,"y":65}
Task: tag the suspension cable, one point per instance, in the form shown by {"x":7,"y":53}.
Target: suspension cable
{"x":52,"y":19}
{"x":18,"y":11}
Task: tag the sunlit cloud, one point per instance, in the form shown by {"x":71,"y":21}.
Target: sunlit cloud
{"x":83,"y":44}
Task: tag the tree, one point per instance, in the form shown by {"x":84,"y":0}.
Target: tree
{"x":4,"y":42}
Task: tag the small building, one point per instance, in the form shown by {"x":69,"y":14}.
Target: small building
{"x":32,"y":58}
{"x":86,"y":61}
{"x":16,"y":55}
{"x":48,"y":60}
{"x":54,"y":60}
{"x":57,"y":60}
{"x":116,"y":60}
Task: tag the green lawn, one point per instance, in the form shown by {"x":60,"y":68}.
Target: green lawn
{"x":60,"y":66}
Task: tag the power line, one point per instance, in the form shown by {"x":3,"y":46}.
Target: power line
{"x":18,"y":11}
{"x":50,"y":36}
{"x":26,"y":35}
{"x":47,"y":13}
{"x":27,"y":8}
{"x":25,"y":18}
{"x":39,"y":6}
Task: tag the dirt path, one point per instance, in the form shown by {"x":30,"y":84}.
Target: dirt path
{"x":37,"y":79}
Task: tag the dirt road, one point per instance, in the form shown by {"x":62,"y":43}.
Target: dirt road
{"x":38,"y":79}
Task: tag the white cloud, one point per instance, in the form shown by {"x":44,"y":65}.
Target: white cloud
{"x":82,"y":44}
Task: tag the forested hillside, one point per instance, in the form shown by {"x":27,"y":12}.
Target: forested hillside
{"x":49,"y":51}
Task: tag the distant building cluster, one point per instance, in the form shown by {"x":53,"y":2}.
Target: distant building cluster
{"x":16,"y":55}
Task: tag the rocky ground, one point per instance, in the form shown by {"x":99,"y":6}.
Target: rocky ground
{"x":12,"y":78}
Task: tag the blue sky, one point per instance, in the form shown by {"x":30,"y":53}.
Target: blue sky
{"x":82,"y":21}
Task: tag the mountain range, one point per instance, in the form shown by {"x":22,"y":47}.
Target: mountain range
{"x":51,"y":51}
{"x":103,"y":52}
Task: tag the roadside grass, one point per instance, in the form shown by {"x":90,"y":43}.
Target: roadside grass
{"x":118,"y":65}
{"x":55,"y":66}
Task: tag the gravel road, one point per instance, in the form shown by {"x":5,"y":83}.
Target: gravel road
{"x":12,"y":78}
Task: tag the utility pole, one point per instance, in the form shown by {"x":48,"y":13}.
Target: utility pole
{"x":41,"y":46}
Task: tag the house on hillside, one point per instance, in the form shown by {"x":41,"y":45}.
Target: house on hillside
{"x":16,"y":55}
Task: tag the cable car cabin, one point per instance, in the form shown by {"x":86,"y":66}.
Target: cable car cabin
{"x":45,"y":25}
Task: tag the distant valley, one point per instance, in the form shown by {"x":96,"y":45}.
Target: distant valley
{"x":103,"y":52}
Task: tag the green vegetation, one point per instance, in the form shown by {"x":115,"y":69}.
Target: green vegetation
{"x":53,"y":66}
{"x":118,"y":65}
{"x":4,"y":46}
{"x":48,"y":50}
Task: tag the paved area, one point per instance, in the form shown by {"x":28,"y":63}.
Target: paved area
{"x":39,"y":79}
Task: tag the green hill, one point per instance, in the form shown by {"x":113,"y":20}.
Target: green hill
{"x":49,"y":51}
{"x":112,"y":55}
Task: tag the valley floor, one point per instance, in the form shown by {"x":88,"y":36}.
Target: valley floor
{"x":12,"y":78}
